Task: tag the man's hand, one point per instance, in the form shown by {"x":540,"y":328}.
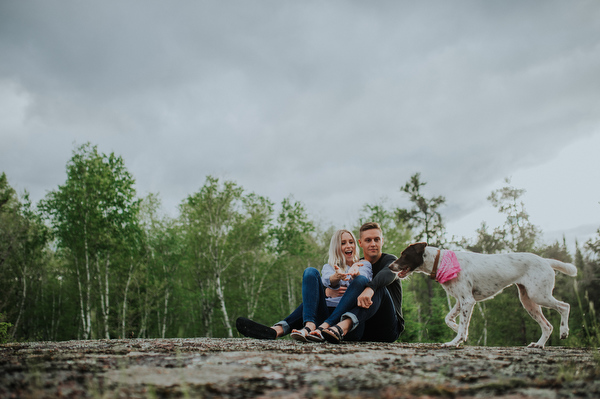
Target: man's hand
{"x":335,"y":293}
{"x":364,"y":299}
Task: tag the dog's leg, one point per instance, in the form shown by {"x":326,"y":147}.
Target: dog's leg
{"x":563,"y":308}
{"x":451,"y":317}
{"x":545,"y":298}
{"x":466,"y":310}
{"x":535,"y":311}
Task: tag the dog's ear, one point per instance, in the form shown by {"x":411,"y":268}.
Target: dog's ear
{"x":420,"y":248}
{"x":417,"y":249}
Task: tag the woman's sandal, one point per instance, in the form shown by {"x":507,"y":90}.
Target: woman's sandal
{"x":316,"y":335}
{"x":300,"y":335}
{"x":333,"y":334}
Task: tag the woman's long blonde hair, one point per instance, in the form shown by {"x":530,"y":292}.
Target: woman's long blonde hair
{"x":336,"y":256}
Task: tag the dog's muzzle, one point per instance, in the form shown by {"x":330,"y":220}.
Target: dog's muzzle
{"x":402,"y":270}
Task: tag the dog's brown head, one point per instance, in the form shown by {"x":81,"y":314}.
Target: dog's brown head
{"x":409,"y":260}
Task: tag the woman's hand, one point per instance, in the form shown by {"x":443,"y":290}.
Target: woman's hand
{"x":353,"y":271}
{"x":338,"y":276}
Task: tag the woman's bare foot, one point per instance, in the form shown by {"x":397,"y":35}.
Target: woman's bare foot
{"x":324,"y":326}
{"x":309,"y":324}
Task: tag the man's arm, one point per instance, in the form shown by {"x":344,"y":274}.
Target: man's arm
{"x":383,"y":278}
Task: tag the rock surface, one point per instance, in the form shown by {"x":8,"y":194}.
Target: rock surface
{"x":246,"y":368}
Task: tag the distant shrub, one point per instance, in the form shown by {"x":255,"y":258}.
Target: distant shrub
{"x":4,"y":326}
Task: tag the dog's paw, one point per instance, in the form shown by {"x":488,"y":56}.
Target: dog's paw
{"x":451,"y":344}
{"x":535,"y":345}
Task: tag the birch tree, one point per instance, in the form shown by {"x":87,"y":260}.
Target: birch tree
{"x":253,"y":268}
{"x":216,"y":220}
{"x":10,"y":235}
{"x":292,"y":244}
{"x":164,"y":253}
{"x":23,"y":244}
{"x":94,"y":216}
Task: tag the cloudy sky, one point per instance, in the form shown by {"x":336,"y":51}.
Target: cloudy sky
{"x":337,"y":103}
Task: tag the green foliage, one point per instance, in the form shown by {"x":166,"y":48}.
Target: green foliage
{"x":431,"y":301}
{"x":110,"y":264}
{"x":486,"y":243}
{"x":24,"y":257}
{"x":225,"y":229}
{"x":588,"y":287}
{"x":424,"y":217}
{"x":95,"y":219}
{"x":519,"y":234}
{"x":4,"y":326}
{"x":294,"y":249}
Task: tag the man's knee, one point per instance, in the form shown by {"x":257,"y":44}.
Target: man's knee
{"x":360,"y":280}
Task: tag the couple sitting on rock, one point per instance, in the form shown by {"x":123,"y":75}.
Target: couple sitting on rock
{"x":352,"y":299}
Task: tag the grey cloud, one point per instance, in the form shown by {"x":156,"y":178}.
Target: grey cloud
{"x":325,"y":101}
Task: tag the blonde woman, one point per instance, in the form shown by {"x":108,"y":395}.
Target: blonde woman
{"x":342,"y":270}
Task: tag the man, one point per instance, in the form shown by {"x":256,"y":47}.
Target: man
{"x":378,"y":314}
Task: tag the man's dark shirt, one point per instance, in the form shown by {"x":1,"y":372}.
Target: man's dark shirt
{"x":384,"y":277}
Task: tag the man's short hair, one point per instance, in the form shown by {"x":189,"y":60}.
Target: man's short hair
{"x":369,"y":226}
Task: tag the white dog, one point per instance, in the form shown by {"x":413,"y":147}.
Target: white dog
{"x":481,"y":277}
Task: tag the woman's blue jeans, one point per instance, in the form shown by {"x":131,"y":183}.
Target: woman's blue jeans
{"x":314,"y":307}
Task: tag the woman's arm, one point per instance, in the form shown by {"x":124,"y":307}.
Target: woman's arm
{"x":331,"y":276}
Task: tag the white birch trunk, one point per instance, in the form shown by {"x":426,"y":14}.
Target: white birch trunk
{"x":124,"y":317}
{"x":254,"y":300}
{"x":106,"y":298}
{"x":420,"y":321}
{"x":166,"y":302}
{"x":291,"y":295}
{"x":164,"y":323}
{"x":221,"y":298}
{"x":87,"y":332}
{"x":81,"y":306}
{"x":22,"y":305}
{"x":144,"y":323}
{"x":103,"y":291}
{"x":484,"y":335}
{"x":57,"y":317}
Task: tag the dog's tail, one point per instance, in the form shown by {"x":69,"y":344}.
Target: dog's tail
{"x":566,"y":268}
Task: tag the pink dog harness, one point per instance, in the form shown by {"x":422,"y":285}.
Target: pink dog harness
{"x":448,"y":266}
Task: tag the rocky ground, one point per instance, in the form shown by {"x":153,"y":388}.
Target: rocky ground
{"x":246,"y":368}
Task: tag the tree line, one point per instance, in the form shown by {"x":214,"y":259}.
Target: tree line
{"x":93,"y":260}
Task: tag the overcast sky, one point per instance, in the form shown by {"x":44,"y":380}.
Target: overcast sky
{"x":337,"y":103}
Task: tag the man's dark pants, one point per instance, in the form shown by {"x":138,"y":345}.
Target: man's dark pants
{"x":378,"y":323}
